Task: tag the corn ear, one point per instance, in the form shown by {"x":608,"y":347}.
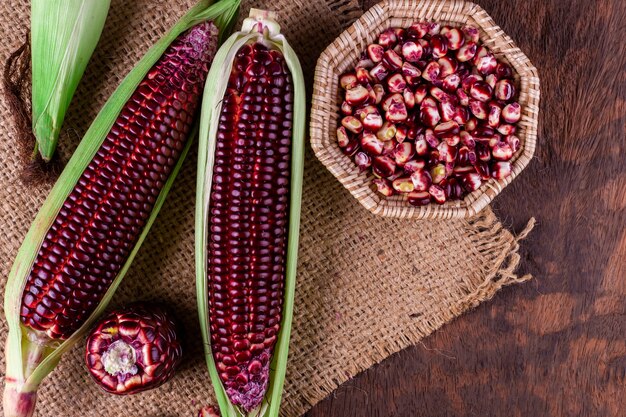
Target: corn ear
{"x":260,"y":26}
{"x":64,"y":34}
{"x":28,"y":358}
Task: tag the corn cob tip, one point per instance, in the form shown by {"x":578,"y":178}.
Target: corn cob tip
{"x":199,"y":37}
{"x":250,"y":396}
{"x":17,"y":403}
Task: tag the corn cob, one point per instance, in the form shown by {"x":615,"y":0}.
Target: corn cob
{"x":248,"y":215}
{"x":94,"y":220}
{"x":248,"y":221}
{"x":101,"y":219}
{"x":133,"y":349}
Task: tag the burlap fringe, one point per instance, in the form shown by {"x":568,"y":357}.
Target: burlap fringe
{"x":490,"y":237}
{"x":506,"y":275}
{"x":345,"y":11}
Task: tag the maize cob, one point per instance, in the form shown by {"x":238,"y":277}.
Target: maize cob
{"x":249,"y":186}
{"x":248,"y":222}
{"x":101,"y":219}
{"x":133,"y":349}
{"x":94,"y":220}
{"x":64,"y":34}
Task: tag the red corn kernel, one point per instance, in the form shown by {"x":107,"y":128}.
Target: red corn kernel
{"x":449,"y":109}
{"x":383,"y":186}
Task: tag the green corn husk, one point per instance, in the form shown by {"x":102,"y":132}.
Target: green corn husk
{"x":211,"y":108}
{"x":28,"y":360}
{"x":64,"y":34}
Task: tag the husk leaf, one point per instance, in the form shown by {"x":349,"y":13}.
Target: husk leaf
{"x":28,"y":361}
{"x":64,"y":34}
{"x":211,"y":108}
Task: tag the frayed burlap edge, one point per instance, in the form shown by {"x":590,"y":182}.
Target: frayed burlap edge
{"x":492,"y":239}
{"x":505,"y":275}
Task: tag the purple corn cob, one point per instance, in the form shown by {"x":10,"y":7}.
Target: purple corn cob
{"x":100,"y":222}
{"x":248,"y":222}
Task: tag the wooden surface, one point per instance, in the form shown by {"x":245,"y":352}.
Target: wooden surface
{"x":555,"y":346}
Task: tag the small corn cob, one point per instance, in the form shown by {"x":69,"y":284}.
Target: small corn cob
{"x":249,"y":198}
{"x":133,"y":349}
{"x":100,"y":221}
{"x":89,"y":229}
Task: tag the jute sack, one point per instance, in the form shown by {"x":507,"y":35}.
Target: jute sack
{"x":367,"y":286}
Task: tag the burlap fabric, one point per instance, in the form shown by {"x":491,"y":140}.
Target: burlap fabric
{"x":367,"y":286}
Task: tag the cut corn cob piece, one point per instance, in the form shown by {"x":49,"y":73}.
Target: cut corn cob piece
{"x":64,"y":34}
{"x":133,"y":349}
{"x":89,"y":229}
{"x":248,"y":210}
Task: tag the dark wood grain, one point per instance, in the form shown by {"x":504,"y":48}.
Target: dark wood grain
{"x":555,"y":346}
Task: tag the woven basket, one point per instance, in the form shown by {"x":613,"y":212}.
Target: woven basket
{"x":341,"y":56}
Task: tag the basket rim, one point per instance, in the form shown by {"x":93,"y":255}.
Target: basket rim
{"x":386,"y":11}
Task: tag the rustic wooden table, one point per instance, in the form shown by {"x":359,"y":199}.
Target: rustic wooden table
{"x":555,"y":346}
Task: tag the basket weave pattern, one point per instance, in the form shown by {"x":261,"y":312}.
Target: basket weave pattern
{"x":341,"y":56}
